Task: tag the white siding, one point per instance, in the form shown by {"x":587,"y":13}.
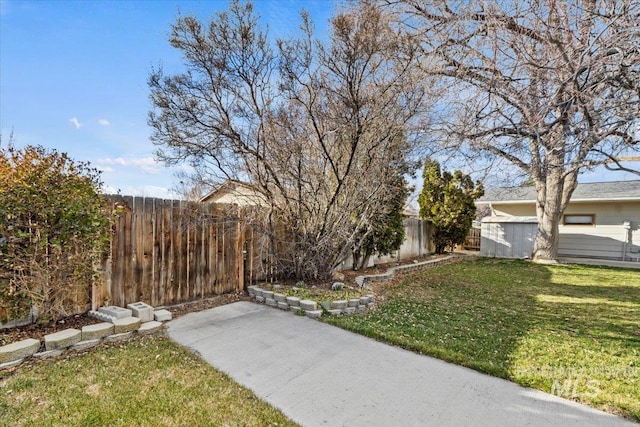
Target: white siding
{"x":601,"y":241}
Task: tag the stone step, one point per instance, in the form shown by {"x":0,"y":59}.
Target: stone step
{"x":309,"y":305}
{"x":339,"y":304}
{"x":84,"y":345}
{"x":314,"y":314}
{"x":97,"y":331}
{"x":115,"y":311}
{"x":293,"y":301}
{"x":62,"y":339}
{"x":101,"y":316}
{"x":271,"y":302}
{"x":283,"y":305}
{"x":48,"y":354}
{"x":11,"y":364}
{"x":149,"y":328}
{"x":162,"y":315}
{"x":118,"y":337}
{"x":18,"y":350}
{"x":141,"y":310}
{"x":128,"y":324}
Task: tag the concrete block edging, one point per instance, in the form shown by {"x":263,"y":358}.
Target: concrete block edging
{"x":313,"y":309}
{"x":339,"y":307}
{"x":73,"y":340}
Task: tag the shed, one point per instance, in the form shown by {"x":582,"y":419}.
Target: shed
{"x":508,"y":236}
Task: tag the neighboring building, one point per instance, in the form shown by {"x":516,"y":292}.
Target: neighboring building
{"x":236,"y":193}
{"x":602,"y":220}
{"x":409,"y":211}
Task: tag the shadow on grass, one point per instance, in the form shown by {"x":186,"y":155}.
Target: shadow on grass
{"x":572,"y":331}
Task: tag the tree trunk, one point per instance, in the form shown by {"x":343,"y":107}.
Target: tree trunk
{"x":545,"y":247}
{"x":364,"y":262}
{"x":355,"y":259}
{"x":553,"y":195}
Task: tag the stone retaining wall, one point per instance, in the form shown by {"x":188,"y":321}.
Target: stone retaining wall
{"x":407,"y":268}
{"x":111,"y":330}
{"x":311,"y":308}
{"x":315,"y":310}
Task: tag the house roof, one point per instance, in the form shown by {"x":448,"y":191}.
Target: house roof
{"x":584,"y":192}
{"x":410,"y":211}
{"x":230,"y":187}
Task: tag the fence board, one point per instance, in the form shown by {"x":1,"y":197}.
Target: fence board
{"x":166,"y":251}
{"x":472,"y":241}
{"x":127,"y":252}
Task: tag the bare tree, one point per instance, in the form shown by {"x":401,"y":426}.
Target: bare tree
{"x":551,"y":86}
{"x":188,"y":187}
{"x":319,"y":130}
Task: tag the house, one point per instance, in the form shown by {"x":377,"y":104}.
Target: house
{"x":409,"y":211}
{"x":602,"y":220}
{"x":236,"y":193}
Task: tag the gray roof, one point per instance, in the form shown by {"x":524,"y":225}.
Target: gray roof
{"x":615,"y":190}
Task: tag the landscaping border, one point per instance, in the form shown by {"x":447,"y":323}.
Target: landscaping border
{"x":406,"y":268}
{"x":315,"y":309}
{"x":112,"y":329}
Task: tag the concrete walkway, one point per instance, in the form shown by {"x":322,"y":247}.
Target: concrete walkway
{"x":320,"y":375}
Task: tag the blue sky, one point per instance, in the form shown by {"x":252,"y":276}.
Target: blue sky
{"x":73,"y":76}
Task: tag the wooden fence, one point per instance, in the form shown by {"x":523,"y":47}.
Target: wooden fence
{"x":165,"y":251}
{"x":472,"y":241}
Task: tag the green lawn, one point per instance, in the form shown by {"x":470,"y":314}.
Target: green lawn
{"x":573,"y":331}
{"x":143,"y":382}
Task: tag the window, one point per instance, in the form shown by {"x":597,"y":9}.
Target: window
{"x":579,"y":219}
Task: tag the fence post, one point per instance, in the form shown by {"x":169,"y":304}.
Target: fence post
{"x":240,"y":238}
